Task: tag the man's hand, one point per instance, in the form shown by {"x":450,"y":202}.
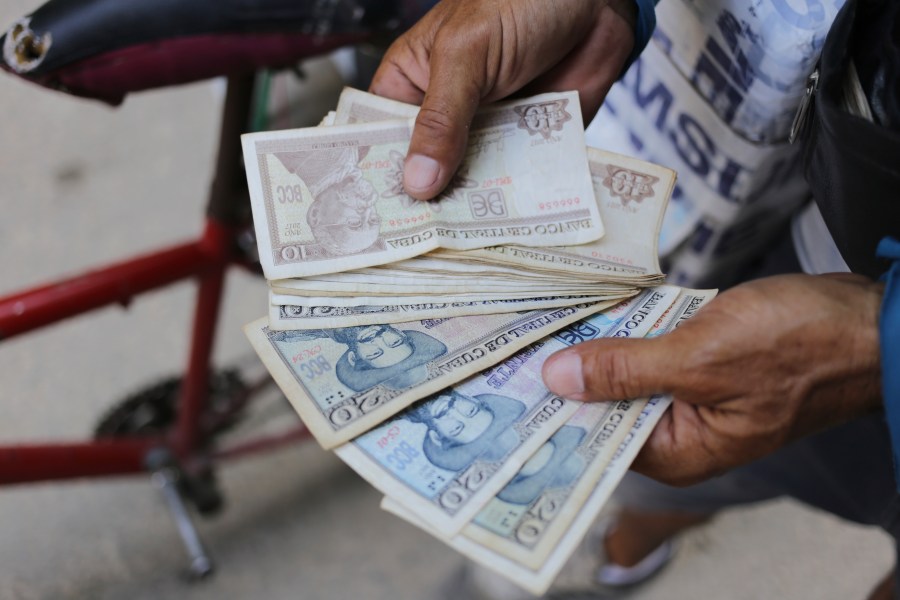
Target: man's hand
{"x":761,"y":365}
{"x":466,"y":52}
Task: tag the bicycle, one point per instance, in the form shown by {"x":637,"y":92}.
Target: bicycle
{"x":105,"y":50}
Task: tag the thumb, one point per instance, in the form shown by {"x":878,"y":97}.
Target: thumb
{"x":613,"y":369}
{"x":442,"y":127}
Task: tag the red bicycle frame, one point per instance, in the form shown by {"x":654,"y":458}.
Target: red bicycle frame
{"x":205,"y":259}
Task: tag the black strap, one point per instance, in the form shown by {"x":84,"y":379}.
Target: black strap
{"x":853,"y":165}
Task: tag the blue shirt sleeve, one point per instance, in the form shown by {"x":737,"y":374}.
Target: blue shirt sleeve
{"x":889,"y":339}
{"x":643,"y":30}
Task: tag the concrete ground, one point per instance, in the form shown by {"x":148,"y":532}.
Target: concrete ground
{"x":83,"y":184}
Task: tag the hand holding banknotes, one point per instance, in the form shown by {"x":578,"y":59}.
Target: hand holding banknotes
{"x":765,"y":363}
{"x":467,"y":52}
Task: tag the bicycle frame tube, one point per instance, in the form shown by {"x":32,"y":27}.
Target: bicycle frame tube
{"x":115,"y":284}
{"x":205,"y":259}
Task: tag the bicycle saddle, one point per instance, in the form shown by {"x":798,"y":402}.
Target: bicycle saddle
{"x":105,"y":49}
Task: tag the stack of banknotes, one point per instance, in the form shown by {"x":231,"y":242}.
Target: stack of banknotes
{"x":409,"y":336}
{"x":520,"y":227}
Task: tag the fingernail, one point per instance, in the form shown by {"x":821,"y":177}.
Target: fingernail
{"x":563,"y":375}
{"x":420,"y":172}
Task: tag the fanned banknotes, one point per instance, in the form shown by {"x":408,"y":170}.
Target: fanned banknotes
{"x":344,"y":381}
{"x":446,"y":457}
{"x":631,"y":196}
{"x":410,"y":336}
{"x":329,"y":199}
{"x":531,"y":527}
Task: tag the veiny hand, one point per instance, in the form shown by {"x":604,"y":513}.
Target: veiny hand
{"x":466,"y":52}
{"x":762,"y":364}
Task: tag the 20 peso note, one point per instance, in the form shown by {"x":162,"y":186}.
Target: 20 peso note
{"x":343,"y":381}
{"x":446,"y":457}
{"x":530,"y":528}
{"x":330,"y":199}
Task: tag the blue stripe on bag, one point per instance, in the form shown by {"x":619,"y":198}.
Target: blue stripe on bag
{"x":889,"y":335}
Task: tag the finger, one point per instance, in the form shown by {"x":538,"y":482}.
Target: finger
{"x":403,"y":72}
{"x":442,"y":126}
{"x":679,"y":451}
{"x":390,"y":81}
{"x":616,"y":369}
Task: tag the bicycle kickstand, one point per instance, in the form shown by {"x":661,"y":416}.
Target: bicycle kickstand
{"x":165,"y":476}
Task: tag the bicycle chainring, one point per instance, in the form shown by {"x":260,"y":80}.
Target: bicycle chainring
{"x":153,"y":409}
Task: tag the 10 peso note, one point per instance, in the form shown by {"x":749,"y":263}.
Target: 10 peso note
{"x":632,"y":196}
{"x":330,"y":199}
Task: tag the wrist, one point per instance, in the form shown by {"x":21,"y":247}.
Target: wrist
{"x":864,"y":347}
{"x":850,"y":385}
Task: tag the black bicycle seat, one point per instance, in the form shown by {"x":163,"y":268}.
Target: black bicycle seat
{"x":105,"y":49}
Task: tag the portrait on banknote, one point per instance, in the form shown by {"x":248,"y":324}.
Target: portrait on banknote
{"x":463,"y":428}
{"x":376,"y":354}
{"x":554,"y":465}
{"x":342,"y":216}
{"x":382,"y":354}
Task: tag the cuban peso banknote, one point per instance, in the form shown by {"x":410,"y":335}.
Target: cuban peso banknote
{"x":632,"y":196}
{"x":345,"y":380}
{"x":329,"y":199}
{"x":292,"y":317}
{"x":532,"y":526}
{"x":444,"y":458}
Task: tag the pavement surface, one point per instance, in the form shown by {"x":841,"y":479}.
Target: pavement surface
{"x":84,"y":184}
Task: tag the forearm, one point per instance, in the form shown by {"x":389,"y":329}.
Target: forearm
{"x":846,"y":381}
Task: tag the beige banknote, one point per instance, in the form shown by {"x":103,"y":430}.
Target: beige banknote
{"x":431,"y":265}
{"x":292,"y":317}
{"x":446,"y":457}
{"x":357,"y":106}
{"x":344,"y":381}
{"x":329,"y":199}
{"x":350,"y":299}
{"x":322,"y":287}
{"x":386,"y":281}
{"x":632,"y":196}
